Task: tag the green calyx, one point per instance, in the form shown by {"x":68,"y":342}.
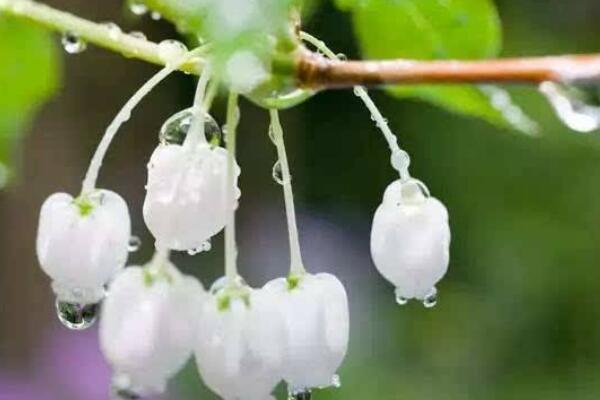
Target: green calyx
{"x":293,"y":281}
{"x":227,"y":295}
{"x":152,"y":274}
{"x":84,"y":205}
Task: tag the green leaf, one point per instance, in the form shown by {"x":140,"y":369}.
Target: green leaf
{"x":427,"y":29}
{"x":432,"y":29}
{"x":28,"y":76}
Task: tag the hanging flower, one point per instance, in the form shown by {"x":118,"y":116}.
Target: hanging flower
{"x":410,"y":241}
{"x":148,"y":325}
{"x":81,"y":244}
{"x":239,"y":350}
{"x":186,"y":200}
{"x":314,"y":309}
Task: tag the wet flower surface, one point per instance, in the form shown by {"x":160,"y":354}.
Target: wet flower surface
{"x":314,"y":309}
{"x":82,"y":243}
{"x":148,"y":326}
{"x":239,"y":349}
{"x":410,"y":240}
{"x":186,"y":200}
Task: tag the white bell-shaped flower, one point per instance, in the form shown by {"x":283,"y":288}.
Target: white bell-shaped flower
{"x":82,"y":243}
{"x":186,"y":201}
{"x":410,"y":240}
{"x":314,"y":309}
{"x":148,"y":326}
{"x":239,"y":350}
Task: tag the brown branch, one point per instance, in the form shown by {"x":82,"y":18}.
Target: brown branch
{"x":312,"y":70}
{"x":316,"y":71}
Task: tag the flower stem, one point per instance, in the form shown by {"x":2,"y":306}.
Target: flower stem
{"x":89,"y":182}
{"x":230,"y":132}
{"x":196,"y":132}
{"x":91,"y":32}
{"x":211,"y":93}
{"x":296,"y":264}
{"x":402,"y":157}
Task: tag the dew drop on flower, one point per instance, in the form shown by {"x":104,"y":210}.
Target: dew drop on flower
{"x":138,"y":7}
{"x":76,"y":316}
{"x":401,"y":300}
{"x":121,"y":390}
{"x":206,"y":246}
{"x":125,"y":394}
{"x":335,"y":380}
{"x":134,"y":244}
{"x":302,"y":395}
{"x":175,"y":129}
{"x":431,"y":299}
{"x":277,"y":173}
{"x":72,"y":43}
{"x":577,"y":106}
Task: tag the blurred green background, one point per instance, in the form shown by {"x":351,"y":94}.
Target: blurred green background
{"x":519,"y":311}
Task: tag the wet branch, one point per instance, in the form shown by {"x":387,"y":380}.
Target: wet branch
{"x":98,"y":34}
{"x":316,"y":71}
{"x":312,"y":70}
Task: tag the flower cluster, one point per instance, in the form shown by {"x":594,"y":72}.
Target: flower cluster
{"x":245,"y":340}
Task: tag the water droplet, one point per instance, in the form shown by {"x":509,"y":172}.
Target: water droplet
{"x":431,"y":299}
{"x":138,"y":7}
{"x":400,"y":299}
{"x":300,"y":395}
{"x":134,"y":244}
{"x":342,"y":57}
{"x":576,"y":106}
{"x":502,"y":102}
{"x":400,"y":161}
{"x":175,"y":129}
{"x":121,"y":388}
{"x":413,"y":191}
{"x":72,"y":43}
{"x":138,"y":35}
{"x":113,"y":29}
{"x":171,"y":51}
{"x":336,"y":381}
{"x":155,"y":15}
{"x":125,"y":394}
{"x":76,"y":316}
{"x":206,"y":246}
{"x":278,"y":173}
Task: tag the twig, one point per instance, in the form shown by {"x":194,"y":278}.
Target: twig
{"x":315,"y":71}
{"x":99,"y":34}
